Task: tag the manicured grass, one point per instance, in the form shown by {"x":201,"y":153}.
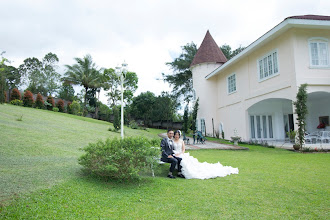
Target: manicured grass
{"x":42,"y":149}
{"x":272,"y":183}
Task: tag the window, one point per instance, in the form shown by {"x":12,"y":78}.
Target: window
{"x":231,"y":83}
{"x":319,"y":53}
{"x":268,"y":66}
{"x":194,"y":97}
{"x":203,"y":125}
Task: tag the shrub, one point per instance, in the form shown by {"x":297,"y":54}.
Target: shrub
{"x":55,"y":109}
{"x":16,"y":102}
{"x":50,"y":100}
{"x":68,"y":110}
{"x":5,"y":97}
{"x":133,"y":124}
{"x":28,"y":99}
{"x":15,"y":94}
{"x":74,"y":108}
{"x":39,"y":101}
{"x":120,"y":159}
{"x":116,"y":118}
{"x":60,"y":105}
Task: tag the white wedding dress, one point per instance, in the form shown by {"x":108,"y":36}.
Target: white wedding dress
{"x":193,"y":169}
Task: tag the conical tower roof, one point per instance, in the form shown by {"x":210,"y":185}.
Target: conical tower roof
{"x":208,"y":52}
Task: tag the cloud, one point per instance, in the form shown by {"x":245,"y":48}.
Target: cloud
{"x":145,"y":33}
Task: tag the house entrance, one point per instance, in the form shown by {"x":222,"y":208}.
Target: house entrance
{"x":261,"y":126}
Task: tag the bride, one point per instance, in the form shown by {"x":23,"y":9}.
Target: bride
{"x":193,"y":169}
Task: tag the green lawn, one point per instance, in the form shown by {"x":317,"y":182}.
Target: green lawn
{"x":41,"y":179}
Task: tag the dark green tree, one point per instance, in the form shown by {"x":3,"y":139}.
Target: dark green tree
{"x":164,"y":108}
{"x":181,"y":79}
{"x":3,"y":76}
{"x":227,"y":51}
{"x":142,"y":107}
{"x":194,"y":115}
{"x":66,"y":91}
{"x":116,"y":118}
{"x":185,"y":125}
{"x":41,"y":76}
{"x":301,"y":111}
{"x":84,"y":73}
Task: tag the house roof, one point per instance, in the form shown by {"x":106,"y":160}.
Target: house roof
{"x":208,"y":52}
{"x":301,"y":21}
{"x":310,"y":17}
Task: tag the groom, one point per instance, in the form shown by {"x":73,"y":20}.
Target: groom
{"x":168,"y":155}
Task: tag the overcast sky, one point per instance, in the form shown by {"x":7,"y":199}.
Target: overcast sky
{"x":144,"y":33}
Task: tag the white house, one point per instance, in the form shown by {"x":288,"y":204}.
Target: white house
{"x":254,"y":91}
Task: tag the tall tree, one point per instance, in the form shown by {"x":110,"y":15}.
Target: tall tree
{"x":194,"y":115}
{"x":142,"y":106}
{"x":112,"y":85}
{"x":3,"y":77}
{"x":41,"y":76}
{"x":229,"y":53}
{"x":13,"y":78}
{"x":185,"y":125}
{"x":84,"y":73}
{"x":66,"y":92}
{"x":181,"y":79}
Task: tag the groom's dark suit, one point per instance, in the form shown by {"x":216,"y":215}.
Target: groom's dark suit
{"x":167,"y":149}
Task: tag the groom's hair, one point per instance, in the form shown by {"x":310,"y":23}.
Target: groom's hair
{"x":169,"y":130}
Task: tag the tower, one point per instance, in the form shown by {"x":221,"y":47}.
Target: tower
{"x":208,"y":57}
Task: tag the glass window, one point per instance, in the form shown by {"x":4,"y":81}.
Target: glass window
{"x":253,"y":132}
{"x":268,"y":65}
{"x":319,"y":52}
{"x":231,"y":81}
{"x":270,"y":124}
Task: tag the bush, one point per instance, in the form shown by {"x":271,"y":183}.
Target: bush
{"x":60,"y":105}
{"x":50,"y":100}
{"x":133,"y":124}
{"x":39,"y":101}
{"x":16,"y":102}
{"x":68,"y":110}
{"x":55,"y":109}
{"x":120,"y":159}
{"x":15,"y":94}
{"x":28,"y":99}
{"x":116,"y":119}
{"x":74,"y":108}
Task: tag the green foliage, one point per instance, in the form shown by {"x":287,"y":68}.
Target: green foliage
{"x":120,"y":159}
{"x":194,"y":115}
{"x":41,"y":76}
{"x":66,"y":92}
{"x":15,"y":94}
{"x":55,"y":109}
{"x":226,"y":49}
{"x":39,"y":101}
{"x":181,"y":79}
{"x":60,"y":105}
{"x":74,"y":108}
{"x":116,"y":118}
{"x":142,"y":106}
{"x":28,"y":99}
{"x":84,"y":73}
{"x":105,"y":112}
{"x":112,"y":85}
{"x":301,"y":111}
{"x":16,"y":102}
{"x":185,"y":125}
{"x":51,"y":101}
{"x":292,"y":135}
{"x":133,"y":124}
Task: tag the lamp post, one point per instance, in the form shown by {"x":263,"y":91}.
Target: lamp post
{"x":121,"y":72}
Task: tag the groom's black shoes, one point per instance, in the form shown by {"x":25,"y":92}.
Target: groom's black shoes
{"x":181,"y":175}
{"x":171,"y":176}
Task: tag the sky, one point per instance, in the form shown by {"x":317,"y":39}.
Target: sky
{"x":144,"y":33}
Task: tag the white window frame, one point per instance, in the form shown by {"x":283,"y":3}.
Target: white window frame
{"x":228,"y":88}
{"x":267,"y":63}
{"x":203,"y":125}
{"x":318,"y":40}
{"x":194,"y":96}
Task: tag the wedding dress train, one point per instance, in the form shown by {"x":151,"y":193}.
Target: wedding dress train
{"x":193,"y":169}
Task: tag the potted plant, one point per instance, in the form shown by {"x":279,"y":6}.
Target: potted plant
{"x":292,"y":136}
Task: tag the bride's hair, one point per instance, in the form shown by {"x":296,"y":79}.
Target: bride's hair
{"x":177,"y":132}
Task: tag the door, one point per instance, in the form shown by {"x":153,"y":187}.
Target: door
{"x":261,"y":126}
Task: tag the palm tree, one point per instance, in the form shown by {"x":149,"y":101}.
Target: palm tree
{"x":84,"y":73}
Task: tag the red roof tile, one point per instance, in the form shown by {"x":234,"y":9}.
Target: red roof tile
{"x":310,"y":17}
{"x":208,"y":52}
